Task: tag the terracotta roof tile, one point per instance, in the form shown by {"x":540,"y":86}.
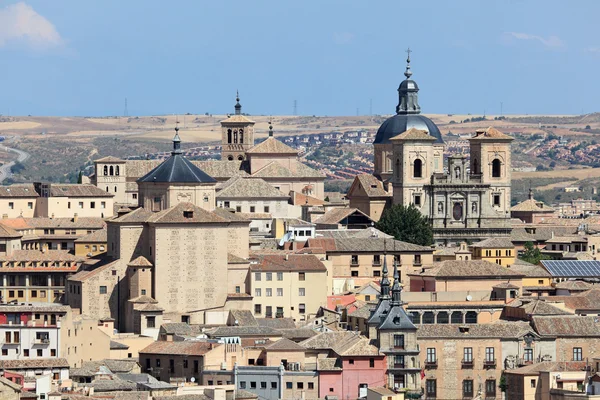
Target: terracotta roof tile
{"x":284,"y":344}
{"x":140,"y":261}
{"x":372,"y":186}
{"x":6,"y":232}
{"x":272,"y":146}
{"x":498,"y":243}
{"x":19,"y":190}
{"x":490,"y":133}
{"x":511,"y":329}
{"x":35,"y":363}
{"x":77,"y":190}
{"x":290,"y":262}
{"x":532,"y":205}
{"x":469,"y":269}
{"x":414,"y":134}
{"x":189,"y":348}
{"x":98,"y":236}
{"x":567,"y":326}
{"x":249,"y":188}
{"x":177,"y":214}
{"x":336,"y":215}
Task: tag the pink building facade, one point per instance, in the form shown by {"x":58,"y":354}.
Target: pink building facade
{"x":352,"y":380}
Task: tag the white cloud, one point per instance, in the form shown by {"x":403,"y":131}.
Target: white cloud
{"x":342,"y":37}
{"x":550,"y":41}
{"x":20,"y":23}
{"x":593,"y":49}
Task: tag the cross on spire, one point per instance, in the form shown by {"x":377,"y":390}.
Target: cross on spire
{"x":408,"y":72}
{"x":176,"y":139}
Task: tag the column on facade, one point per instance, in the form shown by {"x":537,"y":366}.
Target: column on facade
{"x":26,"y":287}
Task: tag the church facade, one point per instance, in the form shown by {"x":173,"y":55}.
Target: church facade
{"x":466,"y":198}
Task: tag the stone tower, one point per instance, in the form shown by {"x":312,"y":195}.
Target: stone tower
{"x":237,"y":135}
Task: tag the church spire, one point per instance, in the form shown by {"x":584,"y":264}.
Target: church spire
{"x":397,"y":288}
{"x":176,"y":140}
{"x":238,"y":106}
{"x":408,"y":92}
{"x":385,"y":282}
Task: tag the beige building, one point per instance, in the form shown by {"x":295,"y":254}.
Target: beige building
{"x":290,"y":285}
{"x":18,"y":200}
{"x":368,"y":194}
{"x":358,"y":261}
{"x":536,"y":381}
{"x":92,"y":244}
{"x":497,"y":250}
{"x":254,"y":196}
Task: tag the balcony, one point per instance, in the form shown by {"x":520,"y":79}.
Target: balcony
{"x":431,"y":364}
{"x":42,"y":341}
{"x":467,"y":364}
{"x":489,"y":364}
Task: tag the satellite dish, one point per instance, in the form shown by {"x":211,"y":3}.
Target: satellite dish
{"x":192,"y":379}
{"x":469,"y":297}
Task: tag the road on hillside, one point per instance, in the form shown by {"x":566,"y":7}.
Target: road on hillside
{"x":5,"y":169}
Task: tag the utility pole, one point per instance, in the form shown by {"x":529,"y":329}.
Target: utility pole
{"x":126,"y":112}
{"x":295,"y":107}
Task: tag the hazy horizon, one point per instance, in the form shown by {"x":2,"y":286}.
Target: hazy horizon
{"x":335,"y":58}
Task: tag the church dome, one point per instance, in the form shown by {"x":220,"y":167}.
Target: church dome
{"x":400,"y":123}
{"x":408,"y":113}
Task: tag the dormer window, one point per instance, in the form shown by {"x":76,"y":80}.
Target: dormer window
{"x":188,"y":214}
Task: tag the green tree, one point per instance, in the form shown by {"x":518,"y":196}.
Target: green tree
{"x":532,"y":254}
{"x":406,"y":224}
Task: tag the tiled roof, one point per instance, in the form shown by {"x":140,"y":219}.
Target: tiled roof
{"x":537,"y":307}
{"x":223,"y":331}
{"x":243,"y":394}
{"x":230,"y":215}
{"x":110,"y":159}
{"x":83,"y":276}
{"x":112,"y":385}
{"x":336,"y":215}
{"x":362,"y":312}
{"x":222,"y":169}
{"x":237,"y":118}
{"x":34,"y":363}
{"x":34,"y":307}
{"x":138,"y":215}
{"x":39,"y":256}
{"x":582,"y":301}
{"x":245,"y":188}
{"x":148,"y":307}
{"x":272,"y":146}
{"x":277,"y":323}
{"x":143,"y":299}
{"x":370,"y":244}
{"x":505,"y":285}
{"x":532,"y":205}
{"x":81,"y":222}
{"x":541,"y":234}
{"x":297,"y":334}
{"x":284,"y":344}
{"x":140,"y":261}
{"x":513,"y":329}
{"x":468,"y":269}
{"x":233,"y":259}
{"x":529,"y":270}
{"x":189,"y":348}
{"x":98,"y":236}
{"x":414,"y":134}
{"x":490,"y":133}
{"x":89,"y":368}
{"x":10,"y":384}
{"x":328,"y":364}
{"x":16,"y":223}
{"x":6,"y":232}
{"x":243,"y":317}
{"x":574,"y":285}
{"x":352,"y":233}
{"x":177,"y":214}
{"x":19,"y":190}
{"x":299,"y":199}
{"x":372,"y":186}
{"x":114,"y":345}
{"x":289,"y":262}
{"x":344,"y":343}
{"x":177,"y":169}
{"x":552,"y":366}
{"x":567,"y":326}
{"x":77,"y":190}
{"x":276,"y":170}
{"x":180,"y":329}
{"x":498,"y":243}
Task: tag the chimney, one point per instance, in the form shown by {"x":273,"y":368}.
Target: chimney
{"x":75,"y":217}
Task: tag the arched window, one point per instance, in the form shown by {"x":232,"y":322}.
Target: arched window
{"x":230,"y":158}
{"x":117,"y":170}
{"x":235,"y":137}
{"x":115,"y":189}
{"x":418,"y":168}
{"x":112,"y":171}
{"x":240,"y":158}
{"x":456,"y":317}
{"x":471,"y":317}
{"x":241,"y":136}
{"x":443,"y":317}
{"x":428,"y":317}
{"x":107,"y":188}
{"x":415,"y":317}
{"x":496,"y":168}
{"x":475,"y":166}
{"x":106,"y":170}
{"x":228,"y":135}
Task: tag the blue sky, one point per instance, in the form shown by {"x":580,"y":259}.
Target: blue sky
{"x":74,"y":57}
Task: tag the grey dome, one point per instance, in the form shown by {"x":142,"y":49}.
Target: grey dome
{"x":408,"y":84}
{"x":400,"y":123}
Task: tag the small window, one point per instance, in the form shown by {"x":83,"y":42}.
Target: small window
{"x":301,"y":276}
{"x":371,"y":363}
{"x":418,"y":168}
{"x":257,"y":309}
{"x":81,"y":204}
{"x":30,"y":205}
{"x":351,"y":361}
{"x":92,"y":204}
{"x":289,"y":385}
{"x":266,"y":209}
{"x":263,"y":385}
{"x":301,"y":308}
{"x":497,"y":200}
{"x":300,"y":385}
{"x":188,"y":214}
{"x":279,"y":292}
{"x":301,"y":291}
{"x":11,"y":205}
{"x":269,"y":276}
{"x":496,"y":168}
{"x":257,"y":292}
{"x":103,"y":290}
{"x":238,"y":208}
{"x":280,"y":276}
{"x":252,"y":209}
{"x":354,"y":273}
{"x":151,"y":322}
{"x":418,"y":200}
{"x":257,"y":276}
{"x":273,"y":385}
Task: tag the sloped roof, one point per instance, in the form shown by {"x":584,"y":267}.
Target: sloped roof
{"x":362,"y":312}
{"x":110,"y":159}
{"x":6,"y":232}
{"x":190,"y":348}
{"x":143,"y":299}
{"x":574,"y":285}
{"x":249,"y":188}
{"x":490,"y":133}
{"x":39,"y":256}
{"x":277,"y":323}
{"x":136,"y":216}
{"x":529,"y":270}
{"x":336,"y":215}
{"x":34,"y":363}
{"x":177,"y":169}
{"x":567,"y":326}
{"x":180,"y":329}
{"x":369,"y":232}
{"x":140,"y":261}
{"x":328,"y":364}
{"x":284,"y":344}
{"x":372,"y":186}
{"x":469,"y":269}
{"x":80,"y":222}
{"x":276,"y":170}
{"x":18,"y":190}
{"x":297,"y":334}
{"x":77,"y":190}
{"x":289,"y":262}
{"x":243,"y":317}
{"x":537,"y":307}
{"x":498,"y":243}
{"x":513,"y":329}
{"x":272,"y":146}
{"x":414,"y":134}
{"x":223,"y":331}
{"x":237,"y":118}
{"x":344,"y":343}
{"x":220,"y":169}
{"x":397,"y":319}
{"x":532,"y":205}
{"x":114,"y":345}
{"x":98,"y":236}
{"x":233,"y":259}
{"x":552,"y":366}
{"x":177,"y":214}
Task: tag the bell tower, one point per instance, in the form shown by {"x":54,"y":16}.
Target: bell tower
{"x":237,"y":134}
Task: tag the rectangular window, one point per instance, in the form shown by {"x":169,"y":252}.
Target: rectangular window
{"x":196,"y":366}
{"x":489,"y":354}
{"x":30,"y":205}
{"x":353,"y":273}
{"x":185,"y":363}
{"x":252,"y":209}
{"x":289,"y":385}
{"x":301,"y":276}
{"x":257,"y":292}
{"x":263,"y":385}
{"x":431,"y":388}
{"x":238,"y":209}
{"x":376,"y":259}
{"x":398,"y":341}
{"x":431,"y":355}
{"x":468,"y":388}
{"x":81,"y":204}
{"x":301,"y":292}
{"x":252,"y":385}
{"x":269,"y":312}
{"x":11,"y":205}
{"x":490,"y":388}
{"x":226,"y":204}
{"x":354,"y":259}
{"x":103,"y":290}
{"x":311,"y":385}
{"x":577,"y":354}
{"x":376,"y":273}
{"x":267,"y":210}
{"x":103,"y":203}
{"x":280,"y":276}
{"x":497,"y":200}
{"x":371,"y":363}
{"x":417,"y":259}
{"x":238,"y":289}
{"x":417,"y":200}
{"x":269,"y":292}
{"x":528,"y":355}
{"x":279,"y":292}
{"x":398,"y":361}
{"x":257,"y":276}
{"x":150,"y":322}
{"x":257,"y":309}
{"x":273,"y":385}
{"x":40,"y":353}
{"x":468,"y":354}
{"x":92,"y":204}
{"x":532,"y":383}
{"x":300,"y":385}
{"x":243,"y":385}
{"x":301,"y":308}
{"x":269,"y":276}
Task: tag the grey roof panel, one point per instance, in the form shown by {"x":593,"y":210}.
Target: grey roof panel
{"x":401,"y":123}
{"x":177,"y":169}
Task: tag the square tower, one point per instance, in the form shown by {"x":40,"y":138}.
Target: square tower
{"x":237,"y":135}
